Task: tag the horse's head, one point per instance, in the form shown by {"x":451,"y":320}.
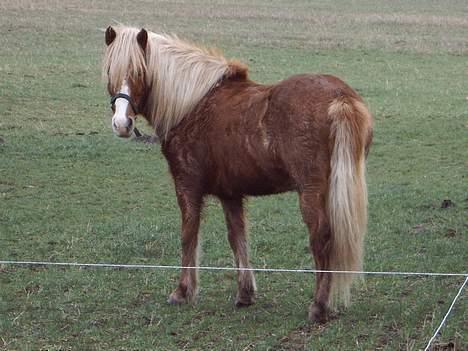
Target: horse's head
{"x":125,"y":70}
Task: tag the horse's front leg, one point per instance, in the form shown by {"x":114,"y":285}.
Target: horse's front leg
{"x":234,"y":213}
{"x":190,"y":207}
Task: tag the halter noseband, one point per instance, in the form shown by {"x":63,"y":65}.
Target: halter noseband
{"x":132,"y":105}
{"x":126,"y":97}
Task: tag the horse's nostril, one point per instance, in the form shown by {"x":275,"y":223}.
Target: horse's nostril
{"x":130,"y":123}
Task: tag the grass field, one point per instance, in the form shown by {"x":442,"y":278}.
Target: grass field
{"x":71,"y":191}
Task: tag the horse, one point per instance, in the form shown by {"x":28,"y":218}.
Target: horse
{"x":226,"y":136}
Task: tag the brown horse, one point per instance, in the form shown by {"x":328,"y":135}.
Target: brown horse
{"x":227,"y":136}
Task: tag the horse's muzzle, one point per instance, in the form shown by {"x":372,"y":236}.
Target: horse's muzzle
{"x":123,"y":129}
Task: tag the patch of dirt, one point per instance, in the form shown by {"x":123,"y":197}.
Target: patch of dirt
{"x":32,"y":289}
{"x":447,"y":203}
{"x":450,"y":233}
{"x":390,"y":333}
{"x":143,"y":298}
{"x":75,"y":133}
{"x":419,"y":228}
{"x":297,"y":339}
{"x":450,"y":346}
{"x":79,"y":85}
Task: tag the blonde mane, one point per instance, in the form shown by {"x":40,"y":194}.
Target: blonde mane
{"x":178,"y":74}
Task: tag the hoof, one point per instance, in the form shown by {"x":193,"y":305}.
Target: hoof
{"x":176,"y":298}
{"x":244,"y":303}
{"x":319,"y":313}
{"x":245,"y":300}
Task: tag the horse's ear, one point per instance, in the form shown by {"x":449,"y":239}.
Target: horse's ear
{"x":110,"y":35}
{"x":142,"y":38}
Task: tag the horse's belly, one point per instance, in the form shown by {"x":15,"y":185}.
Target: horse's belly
{"x":266,"y":188}
{"x":247,"y":184}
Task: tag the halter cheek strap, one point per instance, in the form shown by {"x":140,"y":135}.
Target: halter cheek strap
{"x":126,"y":97}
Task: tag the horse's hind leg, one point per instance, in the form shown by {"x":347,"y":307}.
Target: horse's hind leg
{"x":234,"y":213}
{"x":314,"y":215}
{"x":190,"y":206}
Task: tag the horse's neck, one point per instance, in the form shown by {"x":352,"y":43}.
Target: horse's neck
{"x":182,"y":75}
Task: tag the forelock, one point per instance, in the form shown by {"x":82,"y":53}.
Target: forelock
{"x":123,"y":58}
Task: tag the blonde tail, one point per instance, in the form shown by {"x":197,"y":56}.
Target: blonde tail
{"x":351,"y":132}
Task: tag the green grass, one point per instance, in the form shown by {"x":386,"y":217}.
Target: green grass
{"x":71,"y":191}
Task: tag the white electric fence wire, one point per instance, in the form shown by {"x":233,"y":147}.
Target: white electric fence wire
{"x":277,"y":270}
{"x":446,"y":316}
